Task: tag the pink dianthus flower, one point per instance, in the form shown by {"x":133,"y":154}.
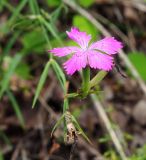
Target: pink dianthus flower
{"x":97,"y":55}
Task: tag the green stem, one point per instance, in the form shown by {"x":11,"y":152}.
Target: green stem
{"x":72,"y":95}
{"x":65,"y":108}
{"x":86,"y":80}
{"x":65,"y":105}
{"x":96,"y":80}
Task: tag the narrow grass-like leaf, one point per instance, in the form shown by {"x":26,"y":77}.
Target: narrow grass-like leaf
{"x":11,"y":42}
{"x":46,"y":38}
{"x":5,"y":81}
{"x":5,"y":138}
{"x":55,"y":15}
{"x":65,"y":105}
{"x":57,"y":124}
{"x":1,"y":155}
{"x":16,"y":108}
{"x":98,"y":78}
{"x":41,"y":83}
{"x":48,"y":18}
{"x":51,"y":29}
{"x":26,"y":23}
{"x":80,"y":129}
{"x":6,"y":4}
{"x":60,"y":74}
{"x":17,"y":11}
{"x":35,"y":10}
{"x":34,"y":6}
{"x":1,"y":6}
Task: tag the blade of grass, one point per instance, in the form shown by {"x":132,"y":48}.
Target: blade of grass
{"x":48,"y":17}
{"x":57,"y":124}
{"x":17,"y":11}
{"x":16,"y":108}
{"x":7,"y":5}
{"x":11,"y":42}
{"x":5,"y":138}
{"x":80,"y":129}
{"x":59,"y":73}
{"x":95,"y":81}
{"x":55,"y":14}
{"x":47,"y":38}
{"x":50,"y":29}
{"x":65,"y":105}
{"x":34,"y":7}
{"x":5,"y":81}
{"x":1,"y":155}
{"x":35,"y":10}
{"x":41,"y":82}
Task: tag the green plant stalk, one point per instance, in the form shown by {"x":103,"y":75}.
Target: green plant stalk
{"x":16,"y":108}
{"x":65,"y":105}
{"x":50,"y":29}
{"x":5,"y":138}
{"x":17,"y":11}
{"x":86,"y":80}
{"x":71,"y":95}
{"x":5,"y":81}
{"x":65,"y":108}
{"x":97,"y":79}
{"x":41,"y":82}
{"x":1,"y":155}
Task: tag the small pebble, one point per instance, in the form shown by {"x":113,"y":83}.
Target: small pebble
{"x":139,"y":112}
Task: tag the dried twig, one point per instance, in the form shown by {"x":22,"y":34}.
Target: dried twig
{"x":138,"y":4}
{"x":45,"y":97}
{"x":16,"y":151}
{"x":100,"y":110}
{"x":104,"y":20}
{"x":90,"y":148}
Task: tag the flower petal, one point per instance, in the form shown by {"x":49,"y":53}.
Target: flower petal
{"x":60,"y":52}
{"x":109,"y":45}
{"x":80,"y":37}
{"x":75,"y":63}
{"x":99,"y":60}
